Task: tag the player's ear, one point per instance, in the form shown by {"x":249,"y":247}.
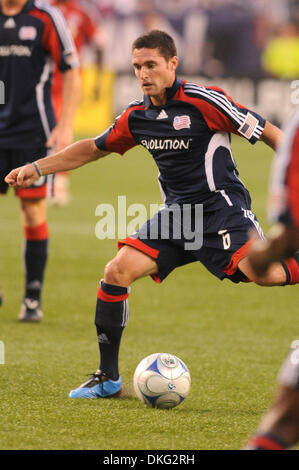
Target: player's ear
{"x":173,"y":63}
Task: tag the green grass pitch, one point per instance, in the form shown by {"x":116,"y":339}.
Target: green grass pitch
{"x":232,"y":337}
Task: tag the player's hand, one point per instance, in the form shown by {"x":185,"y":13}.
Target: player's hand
{"x":22,"y":177}
{"x":61,"y":137}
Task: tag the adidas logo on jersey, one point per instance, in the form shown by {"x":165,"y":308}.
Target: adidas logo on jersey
{"x":10,"y":23}
{"x":163,"y":115}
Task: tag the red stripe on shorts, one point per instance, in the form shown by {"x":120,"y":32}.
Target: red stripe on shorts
{"x":236,"y":258}
{"x":139,"y":245}
{"x":32,"y":193}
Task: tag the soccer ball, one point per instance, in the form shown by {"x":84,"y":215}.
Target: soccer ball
{"x":162,"y":380}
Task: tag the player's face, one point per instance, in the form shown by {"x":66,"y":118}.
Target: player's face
{"x":154,"y":73}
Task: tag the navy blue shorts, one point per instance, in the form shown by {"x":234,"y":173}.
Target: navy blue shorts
{"x":13,"y":158}
{"x":220,"y":239}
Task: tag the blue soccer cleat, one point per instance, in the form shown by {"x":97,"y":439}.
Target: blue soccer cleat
{"x":98,"y":386}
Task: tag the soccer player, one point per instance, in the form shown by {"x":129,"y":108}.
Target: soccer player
{"x":279,"y":428}
{"x":32,"y":38}
{"x":186,"y":127}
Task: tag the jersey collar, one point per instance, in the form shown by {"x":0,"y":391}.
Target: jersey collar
{"x":170,"y":92}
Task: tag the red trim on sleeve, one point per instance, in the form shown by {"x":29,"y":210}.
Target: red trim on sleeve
{"x":37,"y":233}
{"x":232,"y":266}
{"x":292,"y":180}
{"x":215,"y":119}
{"x":50,"y":39}
{"x":120,"y":138}
{"x":139,"y":245}
{"x":32,"y":193}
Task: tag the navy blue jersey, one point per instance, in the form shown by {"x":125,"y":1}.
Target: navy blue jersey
{"x":189,"y":138}
{"x":30,"y":43}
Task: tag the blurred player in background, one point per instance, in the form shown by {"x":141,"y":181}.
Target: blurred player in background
{"x":33,"y":37}
{"x":84,"y":33}
{"x":279,"y":428}
{"x":187,"y":129}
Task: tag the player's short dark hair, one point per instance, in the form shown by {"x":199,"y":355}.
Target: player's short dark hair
{"x":156,"y":39}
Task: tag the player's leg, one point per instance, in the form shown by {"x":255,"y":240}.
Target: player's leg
{"x":236,"y":223}
{"x":36,"y":233}
{"x":62,"y":194}
{"x":139,"y":256}
{"x":278,"y":274}
{"x":279,"y":428}
{"x":112,"y":312}
{"x":275,"y":276}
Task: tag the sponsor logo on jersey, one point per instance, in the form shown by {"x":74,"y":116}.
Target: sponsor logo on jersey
{"x":14,"y":50}
{"x":27,"y":33}
{"x":181,"y":122}
{"x":166,"y":144}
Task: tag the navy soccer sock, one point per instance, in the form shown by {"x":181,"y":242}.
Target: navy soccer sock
{"x":112,"y":313}
{"x":35,"y":257}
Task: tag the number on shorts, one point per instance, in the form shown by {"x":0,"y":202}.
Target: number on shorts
{"x":225,"y":238}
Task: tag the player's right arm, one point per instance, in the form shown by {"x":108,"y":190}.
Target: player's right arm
{"x":73,"y":156}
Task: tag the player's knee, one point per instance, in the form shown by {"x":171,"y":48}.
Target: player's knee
{"x":263,"y":282}
{"x":33,"y":211}
{"x":117,"y":273}
{"x":276,"y":276}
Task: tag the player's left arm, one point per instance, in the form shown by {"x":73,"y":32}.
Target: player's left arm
{"x":271,"y":135}
{"x":62,"y":135}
